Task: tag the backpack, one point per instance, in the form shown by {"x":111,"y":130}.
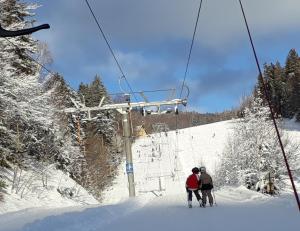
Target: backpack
{"x":206,"y":181}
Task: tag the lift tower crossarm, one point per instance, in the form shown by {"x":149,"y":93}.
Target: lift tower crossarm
{"x":124,"y":109}
{"x":128,"y":106}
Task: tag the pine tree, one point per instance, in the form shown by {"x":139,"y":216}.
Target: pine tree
{"x":282,"y":86}
{"x":292,"y":62}
{"x":100,"y":137}
{"x":94,"y":92}
{"x":33,"y":133}
{"x":273,"y":75}
{"x":18,"y":79}
{"x":279,"y":92}
{"x":15,"y":15}
{"x":292,"y":69}
{"x":83,"y":92}
{"x":253,"y":149}
{"x":69,"y":157}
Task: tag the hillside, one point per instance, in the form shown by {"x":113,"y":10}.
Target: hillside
{"x":167,"y":158}
{"x":165,"y":208}
{"x":183,"y":87}
{"x":172,"y":157}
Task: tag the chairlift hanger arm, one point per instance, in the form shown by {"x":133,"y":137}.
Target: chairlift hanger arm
{"x":5,"y":33}
{"x":144,"y":97}
{"x":125,"y":106}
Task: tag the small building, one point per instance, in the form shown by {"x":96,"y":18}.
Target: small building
{"x":140,"y":131}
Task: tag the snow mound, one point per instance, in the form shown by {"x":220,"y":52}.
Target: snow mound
{"x":31,"y":193}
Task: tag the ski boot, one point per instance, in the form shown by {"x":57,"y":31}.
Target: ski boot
{"x":200,"y":203}
{"x":190,"y":204}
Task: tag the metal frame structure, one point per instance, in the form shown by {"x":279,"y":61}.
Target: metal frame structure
{"x":124,"y":109}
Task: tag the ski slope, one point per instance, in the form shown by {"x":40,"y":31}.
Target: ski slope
{"x":237,"y":209}
{"x":162,"y":163}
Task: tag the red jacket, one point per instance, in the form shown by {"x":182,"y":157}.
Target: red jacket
{"x":192,"y":182}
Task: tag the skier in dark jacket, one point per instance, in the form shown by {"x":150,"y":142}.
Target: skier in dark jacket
{"x":206,"y":185}
{"x":192,"y":185}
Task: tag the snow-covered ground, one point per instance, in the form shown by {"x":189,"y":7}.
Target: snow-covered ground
{"x":162,"y":163}
{"x":237,"y":209}
{"x":30,"y":193}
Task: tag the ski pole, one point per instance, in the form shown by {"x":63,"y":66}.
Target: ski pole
{"x":213,"y":191}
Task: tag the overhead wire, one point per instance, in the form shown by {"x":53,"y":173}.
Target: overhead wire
{"x":38,"y":63}
{"x":191,"y":48}
{"x":110,"y":48}
{"x":189,"y":57}
{"x":147,"y":91}
{"x":53,"y":73}
{"x":167,"y":137}
{"x":185,"y":76}
{"x":191,"y":139}
{"x":31,"y":58}
{"x":270,"y":106}
{"x":43,"y":67}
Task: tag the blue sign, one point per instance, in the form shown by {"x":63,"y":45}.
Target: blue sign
{"x":129,"y":168}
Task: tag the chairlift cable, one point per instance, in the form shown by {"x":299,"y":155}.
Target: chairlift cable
{"x":35,"y":61}
{"x":190,"y":137}
{"x":110,"y":49}
{"x":270,"y":106}
{"x":169,"y":156}
{"x":186,"y":71}
{"x":191,"y":48}
{"x":147,"y":91}
{"x":28,"y":56}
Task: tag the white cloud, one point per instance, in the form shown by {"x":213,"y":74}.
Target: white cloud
{"x":135,"y":66}
{"x":151,"y":40}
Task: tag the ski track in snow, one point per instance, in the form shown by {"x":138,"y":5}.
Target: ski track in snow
{"x":238,"y":209}
{"x":160,"y":164}
{"x":169,"y":214}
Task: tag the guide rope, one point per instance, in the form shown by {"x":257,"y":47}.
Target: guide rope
{"x":110,"y":49}
{"x":270,"y":106}
{"x":191,"y":48}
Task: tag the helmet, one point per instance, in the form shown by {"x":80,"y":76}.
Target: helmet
{"x":195,"y":170}
{"x":202,"y":169}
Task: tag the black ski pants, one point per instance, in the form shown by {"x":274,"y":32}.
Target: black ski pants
{"x":190,"y":194}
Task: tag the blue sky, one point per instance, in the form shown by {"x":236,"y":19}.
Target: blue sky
{"x":151,"y":40}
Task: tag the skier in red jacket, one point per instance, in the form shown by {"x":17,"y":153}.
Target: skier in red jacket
{"x":192,"y":185}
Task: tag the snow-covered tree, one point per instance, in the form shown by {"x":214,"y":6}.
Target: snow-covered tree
{"x":34,"y":131}
{"x":100,"y":137}
{"x":253,"y":149}
{"x":18,"y":80}
{"x":69,"y":156}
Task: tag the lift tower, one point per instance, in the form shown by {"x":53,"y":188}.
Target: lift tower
{"x":124,"y":109}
